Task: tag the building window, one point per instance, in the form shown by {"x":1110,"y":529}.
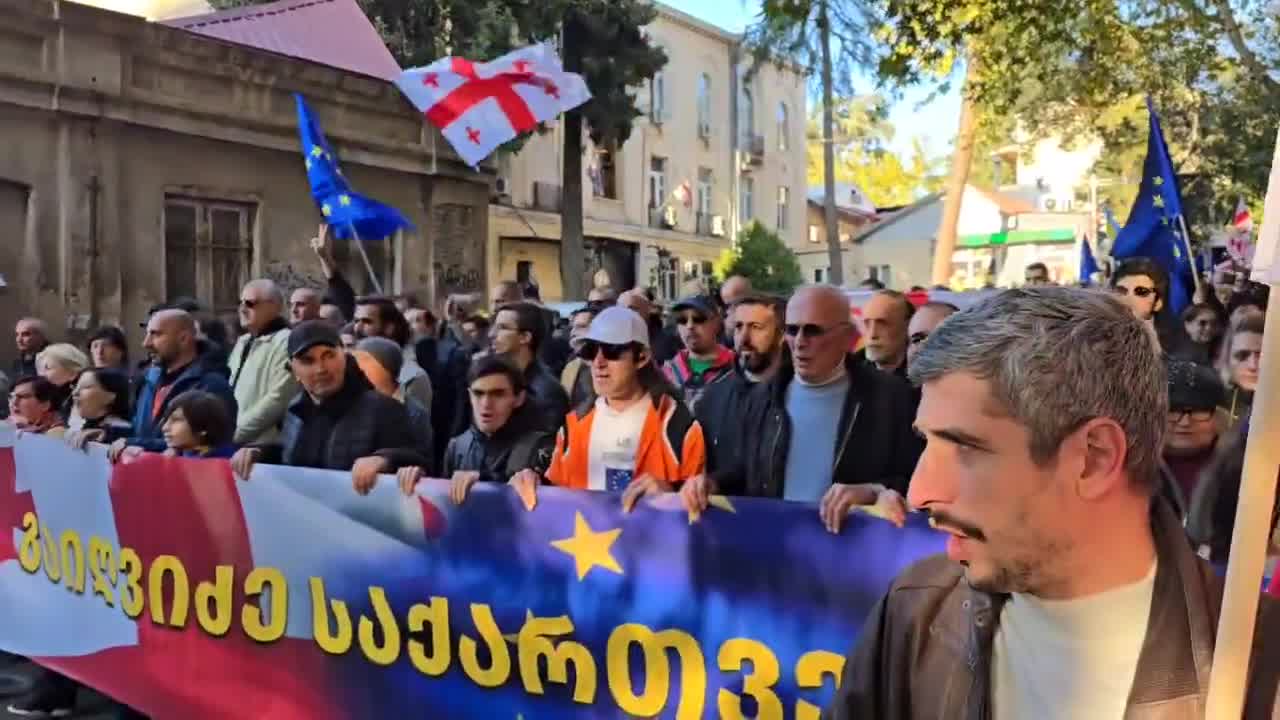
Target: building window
{"x":604,"y":172}
{"x":704,"y":201}
{"x":784,"y":126}
{"x":844,"y":238}
{"x":817,"y":275}
{"x":659,"y":108}
{"x":813,"y":233}
{"x":784,"y":206}
{"x":748,"y":119}
{"x":704,"y":105}
{"x":881,"y":273}
{"x":657,"y":181}
{"x":208,"y":250}
{"x":746,"y":210}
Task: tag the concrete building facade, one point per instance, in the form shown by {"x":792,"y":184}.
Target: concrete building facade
{"x":718,"y":147}
{"x":146,"y":162}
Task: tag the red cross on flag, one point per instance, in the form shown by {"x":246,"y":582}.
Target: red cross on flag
{"x":479,"y":106}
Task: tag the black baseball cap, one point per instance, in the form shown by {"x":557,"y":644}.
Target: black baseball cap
{"x":701,"y":303}
{"x":1193,"y":386}
{"x":310,"y":333}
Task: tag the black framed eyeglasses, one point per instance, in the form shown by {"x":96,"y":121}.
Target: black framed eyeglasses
{"x":611,"y":352}
{"x":810,"y":330}
{"x":1200,"y":415}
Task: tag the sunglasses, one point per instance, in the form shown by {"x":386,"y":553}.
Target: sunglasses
{"x":589,"y":350}
{"x":1243,"y":355}
{"x":810,"y":330}
{"x":250,"y":304}
{"x":917,"y":338}
{"x":1142,"y":292}
{"x":691,"y":319}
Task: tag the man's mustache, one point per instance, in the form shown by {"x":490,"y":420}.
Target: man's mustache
{"x":943,"y":520}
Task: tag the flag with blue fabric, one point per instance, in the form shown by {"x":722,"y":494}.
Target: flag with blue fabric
{"x":1088,"y":266}
{"x":349,"y":214}
{"x":1153,"y":229}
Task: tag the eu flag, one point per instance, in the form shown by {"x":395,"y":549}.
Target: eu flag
{"x":349,"y":214}
{"x":1153,"y":229}
{"x":1088,"y":266}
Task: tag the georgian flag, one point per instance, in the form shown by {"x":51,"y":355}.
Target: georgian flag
{"x":481,"y":106}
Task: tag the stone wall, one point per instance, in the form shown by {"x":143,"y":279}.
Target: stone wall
{"x":104,"y":116}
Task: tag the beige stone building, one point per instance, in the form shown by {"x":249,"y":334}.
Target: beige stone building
{"x":854,"y":212}
{"x":145,"y":162}
{"x":718,"y":147}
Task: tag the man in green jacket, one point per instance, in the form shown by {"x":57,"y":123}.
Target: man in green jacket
{"x":259,"y":364}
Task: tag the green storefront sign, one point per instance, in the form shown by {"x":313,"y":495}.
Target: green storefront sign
{"x":1019,"y":237}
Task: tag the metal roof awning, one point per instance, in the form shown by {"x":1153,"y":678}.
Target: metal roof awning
{"x":1018,"y":237}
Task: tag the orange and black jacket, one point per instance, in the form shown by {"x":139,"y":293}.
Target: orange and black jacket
{"x":671,"y":445}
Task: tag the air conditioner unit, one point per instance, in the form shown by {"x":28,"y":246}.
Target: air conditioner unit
{"x":502,"y":187}
{"x":669,"y":216}
{"x":704,"y":130}
{"x":717,"y":225}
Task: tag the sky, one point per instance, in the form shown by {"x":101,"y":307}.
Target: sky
{"x":914,"y":115}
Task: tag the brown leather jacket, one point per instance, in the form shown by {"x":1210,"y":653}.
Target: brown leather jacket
{"x":926,"y":649}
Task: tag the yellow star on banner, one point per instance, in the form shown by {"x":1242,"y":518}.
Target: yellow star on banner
{"x":589,"y":548}
{"x":344,"y":200}
{"x":1158,"y":201}
{"x":1157,"y":181}
{"x":317,"y":151}
{"x":326,"y":210}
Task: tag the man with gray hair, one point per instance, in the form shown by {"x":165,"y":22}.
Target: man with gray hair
{"x":1068,"y":589}
{"x":259,"y":364}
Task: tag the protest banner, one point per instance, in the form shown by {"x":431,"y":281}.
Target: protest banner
{"x":170,"y":585}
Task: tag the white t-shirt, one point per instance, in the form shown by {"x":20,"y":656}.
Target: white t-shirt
{"x":1069,"y":659}
{"x":615,"y":440}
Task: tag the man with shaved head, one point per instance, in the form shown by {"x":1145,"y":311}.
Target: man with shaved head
{"x":304,"y":304}
{"x":181,"y":362}
{"x":259,"y":363}
{"x":825,"y":428}
{"x":30,"y":336}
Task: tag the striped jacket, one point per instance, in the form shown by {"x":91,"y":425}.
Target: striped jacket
{"x":671,"y":446}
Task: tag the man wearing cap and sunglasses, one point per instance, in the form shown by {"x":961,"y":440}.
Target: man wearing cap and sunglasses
{"x":703,"y":360}
{"x":634,"y":435}
{"x":825,"y":428}
{"x":338,"y":421}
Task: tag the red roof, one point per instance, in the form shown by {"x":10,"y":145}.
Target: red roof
{"x":329,"y":32}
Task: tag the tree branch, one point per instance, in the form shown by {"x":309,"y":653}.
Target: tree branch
{"x":1227,"y":18}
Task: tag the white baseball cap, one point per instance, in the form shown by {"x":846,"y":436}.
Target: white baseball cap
{"x":615,"y":325}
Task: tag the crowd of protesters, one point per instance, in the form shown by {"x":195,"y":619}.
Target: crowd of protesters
{"x":738,"y":393}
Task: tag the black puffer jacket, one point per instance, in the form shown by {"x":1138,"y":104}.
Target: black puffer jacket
{"x":875,"y":440}
{"x":546,"y":397}
{"x":356,"y":422}
{"x":517,"y":446}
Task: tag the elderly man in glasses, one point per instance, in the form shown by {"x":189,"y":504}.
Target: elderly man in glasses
{"x":633,"y":437}
{"x":825,"y":428}
{"x":259,"y":364}
{"x":703,"y":360}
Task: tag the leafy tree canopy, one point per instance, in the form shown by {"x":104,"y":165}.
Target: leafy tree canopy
{"x":764,"y":258}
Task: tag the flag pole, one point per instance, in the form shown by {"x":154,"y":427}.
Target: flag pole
{"x":1191,"y":256}
{"x":1250,"y":538}
{"x":364,"y":255}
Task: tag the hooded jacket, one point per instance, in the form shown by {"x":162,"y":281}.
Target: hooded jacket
{"x":207,"y":372}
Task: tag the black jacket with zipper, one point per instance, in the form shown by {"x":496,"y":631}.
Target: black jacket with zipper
{"x":518,"y":445}
{"x":719,"y":414}
{"x":875,"y":442}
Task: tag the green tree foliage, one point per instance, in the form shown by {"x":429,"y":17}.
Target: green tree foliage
{"x":862,"y":136}
{"x":764,"y":258}
{"x":1082,"y":68}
